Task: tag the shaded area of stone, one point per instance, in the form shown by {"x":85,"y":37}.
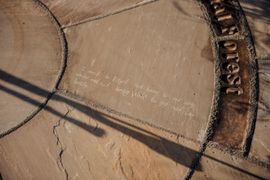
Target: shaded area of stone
{"x":218,"y":165}
{"x":261,"y":142}
{"x":30,"y":48}
{"x":258,"y":16}
{"x":70,"y":12}
{"x":73,"y":141}
{"x":149,"y":63}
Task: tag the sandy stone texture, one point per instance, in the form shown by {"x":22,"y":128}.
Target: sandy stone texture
{"x":261,"y":143}
{"x":258,"y":16}
{"x":70,"y":12}
{"x":149,"y":63}
{"x":68,"y":139}
{"x":27,"y":53}
{"x":216,"y":164}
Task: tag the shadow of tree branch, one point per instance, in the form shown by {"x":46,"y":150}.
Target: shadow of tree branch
{"x":177,"y":152}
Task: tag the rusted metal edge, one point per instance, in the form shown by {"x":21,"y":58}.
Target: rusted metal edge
{"x":243,"y":34}
{"x":222,"y":120}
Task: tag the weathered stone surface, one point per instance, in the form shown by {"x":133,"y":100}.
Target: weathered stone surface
{"x":218,"y":165}
{"x":261,"y":141}
{"x":30,"y":50}
{"x":152,"y":63}
{"x":149,"y":63}
{"x":68,"y":139}
{"x":31,"y":152}
{"x":70,"y":12}
{"x":258,"y":16}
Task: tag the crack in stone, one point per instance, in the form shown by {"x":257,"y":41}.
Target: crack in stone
{"x":59,"y":144}
{"x":89,"y":168}
{"x":87,"y":20}
{"x":120,"y":164}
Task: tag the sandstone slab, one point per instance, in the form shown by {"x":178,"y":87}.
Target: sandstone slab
{"x":153,"y":63}
{"x":261,"y":143}
{"x":258,"y":16}
{"x":216,"y":164}
{"x":67,"y":139}
{"x":30,"y":50}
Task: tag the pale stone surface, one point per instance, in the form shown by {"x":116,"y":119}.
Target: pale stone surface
{"x":26,"y":53}
{"x":261,"y":141}
{"x":31,"y":151}
{"x":149,"y":63}
{"x":258,"y":16}
{"x":70,"y":12}
{"x":216,"y":164}
{"x":153,"y":63}
{"x":68,"y":139}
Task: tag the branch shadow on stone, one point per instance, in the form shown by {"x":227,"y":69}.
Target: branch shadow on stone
{"x":174,"y":151}
{"x":178,"y":153}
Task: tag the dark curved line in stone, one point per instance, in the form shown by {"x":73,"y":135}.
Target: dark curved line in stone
{"x":254,"y":90}
{"x":64,"y":48}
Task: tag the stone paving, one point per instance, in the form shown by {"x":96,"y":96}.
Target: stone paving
{"x":130,"y":62}
{"x":134,"y":89}
{"x":25,"y":26}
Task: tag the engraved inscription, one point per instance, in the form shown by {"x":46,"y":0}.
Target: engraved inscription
{"x":223,"y":16}
{"x":230,"y":68}
{"x":137,"y":91}
{"x":234,"y":74}
{"x":235,"y":96}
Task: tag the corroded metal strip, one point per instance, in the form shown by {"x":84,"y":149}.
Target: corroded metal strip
{"x":234,"y":107}
{"x":233,"y":115}
{"x":224,"y":17}
{"x":235,"y":95}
